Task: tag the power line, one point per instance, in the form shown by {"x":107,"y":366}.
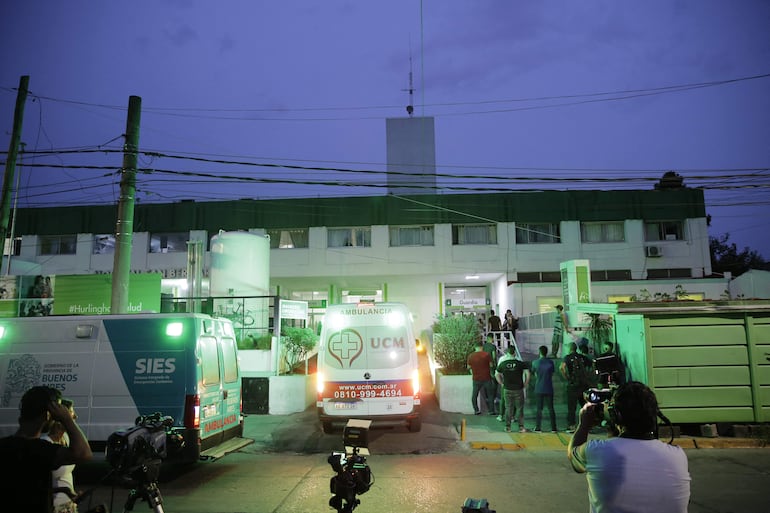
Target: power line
{"x":593,"y":97}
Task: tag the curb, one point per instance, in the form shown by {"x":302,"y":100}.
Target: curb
{"x":532,"y":441}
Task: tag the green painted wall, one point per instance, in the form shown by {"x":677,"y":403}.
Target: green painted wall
{"x":704,"y":366}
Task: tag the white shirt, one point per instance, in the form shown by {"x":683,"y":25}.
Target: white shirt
{"x":626,"y":475}
{"x":62,"y":476}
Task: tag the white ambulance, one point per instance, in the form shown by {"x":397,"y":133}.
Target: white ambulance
{"x":119,"y":367}
{"x":367,"y":365}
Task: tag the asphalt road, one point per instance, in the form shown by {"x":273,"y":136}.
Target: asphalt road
{"x":723,"y":480}
{"x":285,"y":470}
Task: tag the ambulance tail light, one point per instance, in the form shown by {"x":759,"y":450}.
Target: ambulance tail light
{"x":319,"y":384}
{"x":192,"y":411}
{"x":416,"y":382}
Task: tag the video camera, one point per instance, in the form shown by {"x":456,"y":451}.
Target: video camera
{"x":353,"y":474}
{"x":600,"y":397}
{"x":144,"y":444}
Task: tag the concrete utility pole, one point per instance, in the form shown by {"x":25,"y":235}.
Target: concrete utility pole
{"x":124,"y":230}
{"x":10,"y":164}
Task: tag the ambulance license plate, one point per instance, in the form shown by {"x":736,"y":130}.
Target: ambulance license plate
{"x":345,"y":406}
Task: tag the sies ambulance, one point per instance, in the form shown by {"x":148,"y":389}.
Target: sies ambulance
{"x":118,"y":367}
{"x":367,"y":365}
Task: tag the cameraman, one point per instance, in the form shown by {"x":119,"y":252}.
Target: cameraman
{"x":27,"y":487}
{"x":632,"y":471}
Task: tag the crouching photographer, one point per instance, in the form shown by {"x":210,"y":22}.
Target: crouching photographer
{"x":631,"y":471}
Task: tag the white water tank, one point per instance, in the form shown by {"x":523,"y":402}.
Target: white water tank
{"x":240,"y":271}
{"x":240,"y":264}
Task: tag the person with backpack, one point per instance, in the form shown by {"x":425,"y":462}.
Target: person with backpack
{"x":578,"y":370}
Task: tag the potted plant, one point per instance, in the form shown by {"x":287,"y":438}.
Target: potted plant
{"x":453,"y":340}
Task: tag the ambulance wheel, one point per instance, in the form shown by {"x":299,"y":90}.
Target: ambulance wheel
{"x":327,"y":427}
{"x":414,"y":425}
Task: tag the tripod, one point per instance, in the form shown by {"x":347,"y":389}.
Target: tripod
{"x":147,"y":489}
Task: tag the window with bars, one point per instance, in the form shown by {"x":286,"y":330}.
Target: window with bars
{"x":537,"y":233}
{"x":349,"y":237}
{"x":602,"y":232}
{"x":472,"y":234}
{"x":288,"y":238}
{"x":411,"y":235}
{"x":12,"y":247}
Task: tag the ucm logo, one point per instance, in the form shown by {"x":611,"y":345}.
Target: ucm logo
{"x":345,"y":346}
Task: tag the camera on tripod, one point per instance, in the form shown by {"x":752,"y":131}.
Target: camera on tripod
{"x":147,"y":442}
{"x":354,"y":477}
{"x":135,"y":455}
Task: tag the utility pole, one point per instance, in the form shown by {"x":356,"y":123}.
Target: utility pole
{"x":10,"y":164}
{"x":124,"y":229}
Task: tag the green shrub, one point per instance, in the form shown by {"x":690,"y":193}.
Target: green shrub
{"x":454,"y":339}
{"x":297,"y":343}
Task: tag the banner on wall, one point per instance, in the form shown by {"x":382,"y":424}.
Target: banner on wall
{"x":80,"y":294}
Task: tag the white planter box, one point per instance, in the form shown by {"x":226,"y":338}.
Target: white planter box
{"x":454,"y":393}
{"x":291,"y":393}
{"x":255,"y":362}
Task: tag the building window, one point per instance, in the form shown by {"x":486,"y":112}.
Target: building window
{"x":349,"y":237}
{"x":611,"y":275}
{"x":411,"y":236}
{"x":662,"y":274}
{"x":602,"y":232}
{"x":12,"y":248}
{"x":537,"y":233}
{"x":58,"y":244}
{"x":663,"y":230}
{"x":104,"y":244}
{"x":539,"y":277}
{"x":467,"y":234}
{"x":173,"y":242}
{"x":288,"y":238}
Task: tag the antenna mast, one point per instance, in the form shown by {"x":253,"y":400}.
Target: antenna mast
{"x":410,"y":107}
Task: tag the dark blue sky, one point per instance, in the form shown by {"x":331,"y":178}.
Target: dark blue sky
{"x":514,"y":87}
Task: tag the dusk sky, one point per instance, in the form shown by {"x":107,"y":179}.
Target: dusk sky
{"x":520,"y":90}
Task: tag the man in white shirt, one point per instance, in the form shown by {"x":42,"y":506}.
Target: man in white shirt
{"x":633,"y":471}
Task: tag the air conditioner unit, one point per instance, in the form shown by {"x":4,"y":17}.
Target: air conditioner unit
{"x":654,"y":251}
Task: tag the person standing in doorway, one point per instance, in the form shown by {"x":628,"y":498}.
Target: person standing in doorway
{"x":495,"y":323}
{"x":543,"y":369}
{"x":510,"y":323}
{"x":559,"y":325}
{"x":480,"y":365}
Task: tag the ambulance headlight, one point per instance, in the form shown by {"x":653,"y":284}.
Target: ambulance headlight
{"x":335,"y":322}
{"x":394,"y":319}
{"x":174,"y":329}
